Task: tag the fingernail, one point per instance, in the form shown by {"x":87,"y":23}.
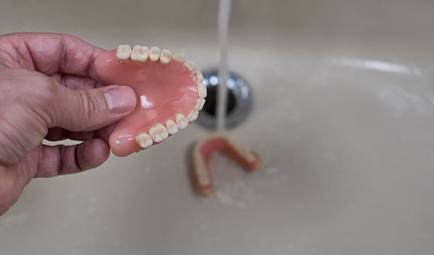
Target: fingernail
{"x":120,"y":99}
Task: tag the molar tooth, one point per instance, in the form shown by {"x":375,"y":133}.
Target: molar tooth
{"x":250,"y":157}
{"x":202,"y":90}
{"x":171,"y":126}
{"x":144,"y":140}
{"x":158,"y":133}
{"x":140,"y":53}
{"x":180,"y":57}
{"x":166,"y":56}
{"x":123,"y":52}
{"x":154,"y":54}
{"x":193,"y":115}
{"x":203,"y":176}
{"x":190,"y":66}
{"x":199,"y":104}
{"x":181,"y":121}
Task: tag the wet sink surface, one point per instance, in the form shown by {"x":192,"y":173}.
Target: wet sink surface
{"x":343,"y":119}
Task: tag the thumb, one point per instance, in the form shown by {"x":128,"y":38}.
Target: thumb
{"x":84,"y":110}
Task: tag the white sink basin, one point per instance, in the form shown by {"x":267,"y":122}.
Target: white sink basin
{"x":343,"y":119}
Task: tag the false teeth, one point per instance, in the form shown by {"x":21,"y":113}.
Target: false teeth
{"x":158,"y":133}
{"x":200,"y":103}
{"x":144,"y":140}
{"x":181,"y":121}
{"x":171,"y":126}
{"x":198,"y":76}
{"x":140,"y":53}
{"x":154,"y":54}
{"x":123,"y":52}
{"x":201,"y":90}
{"x":165,"y":56}
{"x":193,"y":115}
{"x":179,"y":57}
{"x":190,"y":66}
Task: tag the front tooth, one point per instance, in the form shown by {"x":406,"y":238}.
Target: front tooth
{"x":199,"y":104}
{"x":165,"y":56}
{"x":140,"y":53}
{"x":123,"y":52}
{"x":144,"y":140}
{"x":180,"y":57}
{"x":190,"y":66}
{"x":193,"y":115}
{"x":202,"y":90}
{"x":171,"y":126}
{"x":181,"y":121}
{"x":198,"y":75}
{"x":158,"y":133}
{"x":154,"y":54}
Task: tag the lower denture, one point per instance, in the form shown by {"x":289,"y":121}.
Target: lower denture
{"x":169,"y":93}
{"x":203,"y":152}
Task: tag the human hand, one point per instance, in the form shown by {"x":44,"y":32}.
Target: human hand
{"x":48,"y":89}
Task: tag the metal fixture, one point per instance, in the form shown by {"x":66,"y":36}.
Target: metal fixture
{"x":239,"y":101}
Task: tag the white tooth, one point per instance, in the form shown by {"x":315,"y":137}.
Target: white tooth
{"x":171,"y":126}
{"x":164,"y":133}
{"x":203,"y":176}
{"x":190,"y":66}
{"x":193,"y":115}
{"x":198,"y":75}
{"x":250,"y":157}
{"x":165,"y":56}
{"x":199,"y":104}
{"x":158,"y":133}
{"x":140,"y":53}
{"x":144,"y":140}
{"x":201,"y":90}
{"x":181,"y":121}
{"x":123,"y":52}
{"x":154,"y":54}
{"x":180,"y":57}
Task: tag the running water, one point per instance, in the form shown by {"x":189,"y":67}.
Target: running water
{"x":223,"y":26}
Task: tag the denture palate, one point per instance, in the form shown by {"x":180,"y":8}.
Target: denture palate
{"x":203,"y":152}
{"x":169,"y":90}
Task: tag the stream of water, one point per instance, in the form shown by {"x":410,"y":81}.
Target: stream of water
{"x":223,"y":27}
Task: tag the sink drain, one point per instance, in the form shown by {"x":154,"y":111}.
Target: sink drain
{"x":239,"y":100}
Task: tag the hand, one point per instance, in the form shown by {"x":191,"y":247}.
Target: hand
{"x":48,"y":89}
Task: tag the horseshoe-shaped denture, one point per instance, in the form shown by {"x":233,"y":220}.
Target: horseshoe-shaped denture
{"x":169,"y":90}
{"x":203,"y":152}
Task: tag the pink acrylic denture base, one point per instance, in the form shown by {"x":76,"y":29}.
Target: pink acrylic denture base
{"x":163,"y":90}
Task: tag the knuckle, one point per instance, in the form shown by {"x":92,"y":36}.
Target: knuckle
{"x":48,"y":90}
{"x":11,"y":148}
{"x":90,"y":107}
{"x":43,"y":98}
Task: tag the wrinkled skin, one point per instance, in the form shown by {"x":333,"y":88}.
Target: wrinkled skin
{"x":48,"y":90}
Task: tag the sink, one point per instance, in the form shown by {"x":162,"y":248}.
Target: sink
{"x":343,"y":119}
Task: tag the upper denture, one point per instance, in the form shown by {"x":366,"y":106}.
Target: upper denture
{"x":169,"y":91}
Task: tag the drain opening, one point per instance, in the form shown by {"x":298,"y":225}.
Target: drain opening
{"x":210,"y":106}
{"x":239,"y":100}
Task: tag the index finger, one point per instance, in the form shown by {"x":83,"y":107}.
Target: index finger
{"x":49,"y":53}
